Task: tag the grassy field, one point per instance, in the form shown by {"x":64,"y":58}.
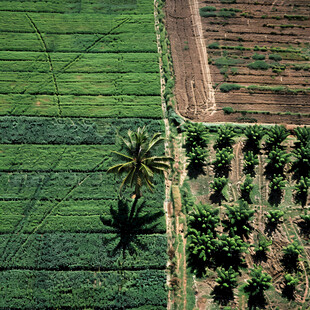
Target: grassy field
{"x":73,"y":75}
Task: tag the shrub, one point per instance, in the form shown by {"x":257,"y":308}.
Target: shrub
{"x":214,"y":45}
{"x":250,"y":161}
{"x":196,"y":135}
{"x":302,"y":188}
{"x":275,"y":57}
{"x":258,"y":65}
{"x":207,"y":14}
{"x":291,"y":254}
{"x":227,"y":87}
{"x":228,"y":110}
{"x":277,"y":183}
{"x":208,"y":9}
{"x":197,"y":156}
{"x":258,"y":56}
{"x":218,"y":184}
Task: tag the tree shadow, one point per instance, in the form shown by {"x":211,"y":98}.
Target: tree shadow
{"x":271,"y":171}
{"x":270,"y":228}
{"x":304,"y":229}
{"x":220,"y":172}
{"x":288,"y":292}
{"x":250,"y":146}
{"x":275,"y":197}
{"x":222,"y":296}
{"x":290,"y":265}
{"x":259,"y":257}
{"x":249,"y":170}
{"x":257,"y":301}
{"x":217,"y":198}
{"x":245,"y":195}
{"x":128,"y":222}
{"x":194,"y":170}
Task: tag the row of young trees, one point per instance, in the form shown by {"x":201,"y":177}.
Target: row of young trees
{"x":217,"y":244}
{"x":197,"y":138}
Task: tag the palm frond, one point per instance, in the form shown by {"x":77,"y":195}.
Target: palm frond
{"x":128,"y":178}
{"x":148,"y":170}
{"x":123,"y":155}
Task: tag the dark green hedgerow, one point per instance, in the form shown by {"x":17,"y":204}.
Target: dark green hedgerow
{"x":71,"y":251}
{"x":26,"y":289}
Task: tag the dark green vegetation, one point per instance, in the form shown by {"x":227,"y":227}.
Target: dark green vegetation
{"x":73,"y":75}
{"x":244,"y":221}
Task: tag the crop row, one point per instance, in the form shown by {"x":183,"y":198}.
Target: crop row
{"x":123,"y":42}
{"x":89,"y":63}
{"x":95,"y":185}
{"x":40,"y":130}
{"x":49,"y":23}
{"x":55,"y":158}
{"x":80,"y":84}
{"x":32,"y":106}
{"x":76,"y":6}
{"x":77,"y":216}
{"x":71,"y":251}
{"x":23,"y":289}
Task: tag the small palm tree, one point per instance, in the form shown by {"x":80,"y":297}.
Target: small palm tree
{"x":140,"y":166}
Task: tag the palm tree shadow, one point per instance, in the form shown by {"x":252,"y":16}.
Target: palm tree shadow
{"x":275,"y":197}
{"x":222,"y":296}
{"x":194,"y":170}
{"x":128,"y":222}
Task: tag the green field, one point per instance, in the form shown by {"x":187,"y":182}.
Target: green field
{"x":73,"y":75}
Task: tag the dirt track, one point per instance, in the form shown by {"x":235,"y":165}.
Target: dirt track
{"x":194,"y":95}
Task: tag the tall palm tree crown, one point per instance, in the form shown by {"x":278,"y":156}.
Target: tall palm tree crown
{"x":140,"y":166}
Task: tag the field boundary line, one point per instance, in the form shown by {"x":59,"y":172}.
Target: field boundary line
{"x":41,"y":39}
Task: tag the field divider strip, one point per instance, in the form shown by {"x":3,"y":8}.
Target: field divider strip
{"x":41,"y":39}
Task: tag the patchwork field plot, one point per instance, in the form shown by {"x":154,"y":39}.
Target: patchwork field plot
{"x":258,"y":54}
{"x":73,"y":76}
{"x":241,"y":207}
{"x":250,"y":58}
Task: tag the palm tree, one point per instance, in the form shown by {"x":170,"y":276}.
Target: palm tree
{"x":276,"y":135}
{"x":140,"y":166}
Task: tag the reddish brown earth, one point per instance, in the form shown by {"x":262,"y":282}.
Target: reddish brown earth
{"x":257,"y":24}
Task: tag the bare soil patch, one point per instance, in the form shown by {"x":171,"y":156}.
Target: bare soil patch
{"x":229,"y":43}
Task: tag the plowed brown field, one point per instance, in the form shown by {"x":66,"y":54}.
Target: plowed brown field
{"x":215,"y":50}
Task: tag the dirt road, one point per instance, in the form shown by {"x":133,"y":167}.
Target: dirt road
{"x":195,"y":95}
